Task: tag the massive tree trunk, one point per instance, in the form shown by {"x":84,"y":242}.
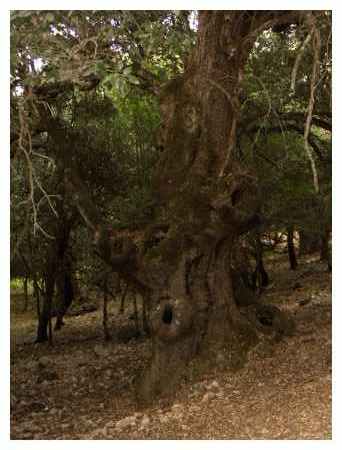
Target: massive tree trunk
{"x":207,"y":201}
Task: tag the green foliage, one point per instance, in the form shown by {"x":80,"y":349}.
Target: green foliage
{"x":51,"y":46}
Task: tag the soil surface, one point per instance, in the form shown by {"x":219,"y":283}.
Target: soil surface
{"x":82,"y":387}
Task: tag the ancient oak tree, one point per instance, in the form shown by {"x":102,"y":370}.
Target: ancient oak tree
{"x":203,"y":201}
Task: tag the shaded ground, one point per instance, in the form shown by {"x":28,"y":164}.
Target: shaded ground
{"x":81,"y":388}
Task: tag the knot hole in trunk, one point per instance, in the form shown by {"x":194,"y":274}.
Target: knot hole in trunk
{"x":167,"y":314}
{"x":172,"y":318}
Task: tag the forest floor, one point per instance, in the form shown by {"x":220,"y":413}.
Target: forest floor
{"x":82,"y":387}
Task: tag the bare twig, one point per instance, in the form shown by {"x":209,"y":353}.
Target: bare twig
{"x":46,"y":195}
{"x":25,"y":133}
{"x":40,"y":155}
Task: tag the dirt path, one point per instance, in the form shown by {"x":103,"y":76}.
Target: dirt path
{"x":81,"y":388}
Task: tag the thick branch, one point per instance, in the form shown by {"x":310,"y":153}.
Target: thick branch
{"x":291,"y":122}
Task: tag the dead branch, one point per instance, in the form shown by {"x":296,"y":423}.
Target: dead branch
{"x":316,"y":44}
{"x":297,"y":61}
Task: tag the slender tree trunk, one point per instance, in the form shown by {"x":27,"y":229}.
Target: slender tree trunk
{"x":36,"y":291}
{"x":106,"y":332}
{"x":291,"y":249}
{"x":25,"y":294}
{"x":145,"y":319}
{"x":260,"y":276}
{"x":65,"y":290}
{"x":325,"y":253}
{"x":123,"y":298}
{"x":50,"y":329}
{"x":324,"y":246}
{"x":136,"y":315}
{"x":45,"y":313}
